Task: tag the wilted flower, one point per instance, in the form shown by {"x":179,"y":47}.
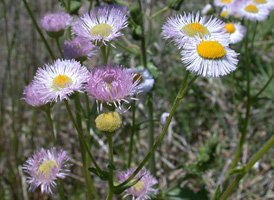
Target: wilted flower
{"x":32,"y":95}
{"x":55,"y":23}
{"x":209,"y":57}
{"x":207,"y":9}
{"x":61,"y":79}
{"x":111,"y":85}
{"x":145,"y":79}
{"x":184,"y":28}
{"x":163,"y":118}
{"x":44,"y":167}
{"x":102,"y":26}
{"x":143,"y":188}
{"x":78,"y":49}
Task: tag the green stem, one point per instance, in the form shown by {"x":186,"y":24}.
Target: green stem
{"x":104,"y":54}
{"x":90,"y":5}
{"x":85,"y":159}
{"x":248,"y":103}
{"x":263,"y":88}
{"x":125,"y":48}
{"x":179,"y":96}
{"x":253,"y":36}
{"x":68,"y":11}
{"x":151,"y":162}
{"x":51,"y":126}
{"x":249,"y":165}
{"x":81,"y":136}
{"x":60,"y":187}
{"x":159,"y":12}
{"x":111,"y":167}
{"x":38,"y":29}
{"x":59,"y":47}
{"x":131,"y":134}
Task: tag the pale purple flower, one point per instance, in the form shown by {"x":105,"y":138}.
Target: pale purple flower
{"x":143,"y":188}
{"x":122,"y":8}
{"x":145,"y":78}
{"x":61,"y":79}
{"x":78,"y":49}
{"x":32,"y":95}
{"x":111,"y":85}
{"x":100,"y":27}
{"x":55,"y":22}
{"x":44,"y":167}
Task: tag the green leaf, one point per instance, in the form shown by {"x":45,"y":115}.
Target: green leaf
{"x":153,"y":70}
{"x":217,"y":193}
{"x":237,"y":171}
{"x":103,"y":176}
{"x":119,"y":190}
{"x":75,"y":6}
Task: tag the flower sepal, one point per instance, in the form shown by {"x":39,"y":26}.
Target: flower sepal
{"x":102,"y":175}
{"x":121,"y":189}
{"x":56,"y":34}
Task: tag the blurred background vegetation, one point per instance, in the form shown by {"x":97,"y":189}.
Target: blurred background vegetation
{"x":199,"y":146}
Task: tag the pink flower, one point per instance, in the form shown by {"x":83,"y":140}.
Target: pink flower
{"x":55,"y":22}
{"x":111,"y":85}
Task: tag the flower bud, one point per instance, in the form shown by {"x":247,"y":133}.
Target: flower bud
{"x":108,"y":122}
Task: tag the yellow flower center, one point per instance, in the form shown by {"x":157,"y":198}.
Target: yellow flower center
{"x":251,"y":8}
{"x":139,"y":186}
{"x":61,"y":81}
{"x":101,"y":29}
{"x":137,"y":77}
{"x":260,"y":1}
{"x":225,"y":1}
{"x":108,"y":122}
{"x":230,"y":28}
{"x":45,"y":167}
{"x":224,"y":14}
{"x":194,"y":29}
{"x":211,"y":50}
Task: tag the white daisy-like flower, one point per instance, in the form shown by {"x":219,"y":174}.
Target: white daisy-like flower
{"x":237,"y":32}
{"x":225,"y":12}
{"x":59,"y":80}
{"x":269,"y":4}
{"x":183,"y":28}
{"x":44,"y":167}
{"x":252,"y":12}
{"x":209,"y":57}
{"x":223,"y":2}
{"x":102,"y":26}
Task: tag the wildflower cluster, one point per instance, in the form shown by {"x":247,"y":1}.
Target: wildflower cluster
{"x":204,"y":45}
